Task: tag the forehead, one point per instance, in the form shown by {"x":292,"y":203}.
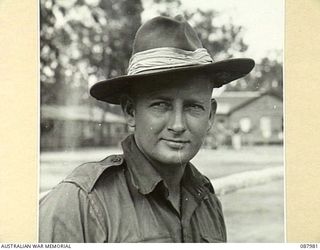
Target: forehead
{"x":194,"y":87}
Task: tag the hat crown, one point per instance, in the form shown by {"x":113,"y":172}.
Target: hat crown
{"x":164,"y":47}
{"x":166,"y":32}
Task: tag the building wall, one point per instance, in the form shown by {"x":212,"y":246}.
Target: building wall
{"x":266,"y":120}
{"x":62,"y":134}
{"x":263,"y":114}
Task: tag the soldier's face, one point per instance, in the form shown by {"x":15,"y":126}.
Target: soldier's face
{"x":172,"y":119}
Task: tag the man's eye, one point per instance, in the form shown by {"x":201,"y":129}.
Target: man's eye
{"x":195,"y":107}
{"x":160,"y":105}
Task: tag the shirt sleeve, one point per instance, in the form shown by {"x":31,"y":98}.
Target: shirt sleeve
{"x":67,"y":214}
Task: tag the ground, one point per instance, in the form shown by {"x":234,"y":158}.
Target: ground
{"x":255,"y":214}
{"x":252,"y":214}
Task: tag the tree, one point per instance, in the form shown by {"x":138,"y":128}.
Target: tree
{"x":83,"y":41}
{"x":266,"y":76}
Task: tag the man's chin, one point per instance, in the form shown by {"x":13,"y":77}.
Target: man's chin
{"x":174,"y":158}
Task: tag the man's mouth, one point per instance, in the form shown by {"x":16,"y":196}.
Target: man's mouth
{"x":177,"y":140}
{"x":175,"y":143}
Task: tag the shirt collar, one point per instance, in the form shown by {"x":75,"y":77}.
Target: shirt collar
{"x":196,"y":183}
{"x":145,"y":178}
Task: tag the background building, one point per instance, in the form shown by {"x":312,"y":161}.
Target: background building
{"x":248,"y":118}
{"x":79,"y":126}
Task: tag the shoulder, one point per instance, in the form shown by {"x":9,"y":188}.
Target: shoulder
{"x":86,"y":175}
{"x":73,"y":201}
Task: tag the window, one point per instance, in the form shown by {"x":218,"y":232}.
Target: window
{"x":265,"y":126}
{"x":245,"y":124}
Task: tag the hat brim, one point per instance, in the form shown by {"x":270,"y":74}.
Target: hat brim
{"x":220,"y":73}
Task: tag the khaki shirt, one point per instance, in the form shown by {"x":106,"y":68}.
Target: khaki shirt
{"x":123,"y":199}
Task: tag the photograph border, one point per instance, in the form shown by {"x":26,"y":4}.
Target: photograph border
{"x":19,"y":129}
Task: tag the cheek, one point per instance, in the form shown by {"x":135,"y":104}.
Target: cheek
{"x":198,"y":126}
{"x":149,"y":124}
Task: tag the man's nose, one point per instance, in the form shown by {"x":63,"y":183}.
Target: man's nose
{"x":176,"y":121}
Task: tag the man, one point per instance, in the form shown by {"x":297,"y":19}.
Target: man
{"x":151,"y":193}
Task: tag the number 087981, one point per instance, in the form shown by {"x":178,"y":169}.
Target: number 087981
{"x":313,"y":245}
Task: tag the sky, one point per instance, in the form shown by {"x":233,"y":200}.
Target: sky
{"x":263,"y":22}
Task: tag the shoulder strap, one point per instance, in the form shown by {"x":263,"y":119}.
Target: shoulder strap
{"x":87,"y":174}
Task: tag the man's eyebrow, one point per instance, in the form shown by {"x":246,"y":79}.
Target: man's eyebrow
{"x":166,"y":98}
{"x":159,"y":97}
{"x":194,"y":100}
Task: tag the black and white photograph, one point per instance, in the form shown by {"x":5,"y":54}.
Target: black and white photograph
{"x":161,"y":121}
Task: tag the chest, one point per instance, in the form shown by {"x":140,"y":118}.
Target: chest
{"x":132,"y":217}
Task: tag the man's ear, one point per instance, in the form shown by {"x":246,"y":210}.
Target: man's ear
{"x":212,"y":113}
{"x":128,"y":108}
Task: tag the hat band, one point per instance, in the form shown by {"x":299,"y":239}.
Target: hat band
{"x":166,"y":58}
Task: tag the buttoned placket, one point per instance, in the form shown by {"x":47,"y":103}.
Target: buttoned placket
{"x":187,"y":206}
{"x":181,"y":218}
{"x":190,"y":201}
{"x":177,"y":213}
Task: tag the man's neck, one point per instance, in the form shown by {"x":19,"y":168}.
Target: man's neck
{"x":172,"y":175}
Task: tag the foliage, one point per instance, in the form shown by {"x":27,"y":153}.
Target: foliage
{"x":266,"y":76}
{"x":83,"y":41}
